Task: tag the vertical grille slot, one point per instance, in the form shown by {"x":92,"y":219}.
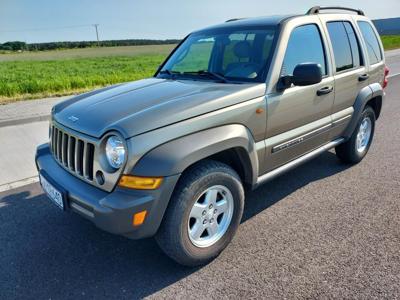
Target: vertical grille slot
{"x":65,"y":149}
{"x":88,"y":161}
{"x":55,"y":142}
{"x":59,"y":145}
{"x":79,"y":157}
{"x":71,"y":153}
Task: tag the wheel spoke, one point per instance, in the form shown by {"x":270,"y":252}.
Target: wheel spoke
{"x":211,"y":196}
{"x":222,"y":206}
{"x":212,"y":228}
{"x":197,"y":211}
{"x":197,"y":230}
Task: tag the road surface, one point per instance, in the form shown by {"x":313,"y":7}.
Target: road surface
{"x":324,"y":230}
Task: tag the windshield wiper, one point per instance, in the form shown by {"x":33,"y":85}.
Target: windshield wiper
{"x":215,"y":75}
{"x":166,"y":71}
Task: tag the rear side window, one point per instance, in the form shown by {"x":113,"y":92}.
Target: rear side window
{"x":370,"y":38}
{"x":304,"y":46}
{"x":345,"y":45}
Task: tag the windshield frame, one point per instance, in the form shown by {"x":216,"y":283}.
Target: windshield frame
{"x":259,"y":79}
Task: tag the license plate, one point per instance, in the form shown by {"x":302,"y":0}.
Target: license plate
{"x":53,"y":193}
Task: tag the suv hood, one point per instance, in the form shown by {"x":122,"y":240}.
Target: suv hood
{"x":140,"y":106}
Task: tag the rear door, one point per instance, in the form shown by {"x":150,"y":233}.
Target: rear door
{"x":349,"y":67}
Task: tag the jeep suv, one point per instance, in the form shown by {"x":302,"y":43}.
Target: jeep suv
{"x":233,"y":106}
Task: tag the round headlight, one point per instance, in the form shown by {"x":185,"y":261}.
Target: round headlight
{"x":115,"y":151}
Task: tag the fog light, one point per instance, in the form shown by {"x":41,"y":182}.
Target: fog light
{"x":140,"y":183}
{"x":139,"y":217}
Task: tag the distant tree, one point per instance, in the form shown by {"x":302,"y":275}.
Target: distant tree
{"x":15,"y":46}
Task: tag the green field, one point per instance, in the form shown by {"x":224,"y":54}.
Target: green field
{"x":63,"y":72}
{"x":391,"y":41}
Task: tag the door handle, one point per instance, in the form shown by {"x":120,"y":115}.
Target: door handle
{"x":325,"y":91}
{"x":363,"y":77}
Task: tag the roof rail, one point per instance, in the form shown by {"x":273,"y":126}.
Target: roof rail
{"x":235,"y":19}
{"x":316,"y":9}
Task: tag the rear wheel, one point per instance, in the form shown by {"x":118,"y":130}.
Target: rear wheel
{"x":355,"y":149}
{"x":204,"y":214}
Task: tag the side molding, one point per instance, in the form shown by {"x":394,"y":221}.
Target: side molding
{"x":366,"y":94}
{"x":175,"y":156}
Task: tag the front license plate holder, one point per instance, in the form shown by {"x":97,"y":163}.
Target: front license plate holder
{"x":54,"y":192}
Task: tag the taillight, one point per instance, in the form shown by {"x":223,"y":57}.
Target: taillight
{"x":385,"y":77}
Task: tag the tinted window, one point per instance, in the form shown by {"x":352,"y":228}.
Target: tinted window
{"x":304,"y":45}
{"x":345,"y":47}
{"x":354,"y":45}
{"x":370,"y":38}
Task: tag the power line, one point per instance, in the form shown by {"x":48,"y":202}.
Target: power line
{"x":48,"y":28}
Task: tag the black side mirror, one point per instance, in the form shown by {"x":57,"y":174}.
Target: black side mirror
{"x":303,"y":75}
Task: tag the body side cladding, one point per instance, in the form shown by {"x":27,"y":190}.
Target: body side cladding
{"x":366,"y":94}
{"x":175,"y":156}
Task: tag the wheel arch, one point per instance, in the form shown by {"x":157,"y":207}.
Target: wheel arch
{"x":231,"y":144}
{"x":370,"y":95}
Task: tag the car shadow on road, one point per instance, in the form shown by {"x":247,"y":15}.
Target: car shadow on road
{"x":323,"y":166}
{"x":46,"y":253}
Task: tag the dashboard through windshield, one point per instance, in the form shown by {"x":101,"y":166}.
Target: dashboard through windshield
{"x":227,"y":55}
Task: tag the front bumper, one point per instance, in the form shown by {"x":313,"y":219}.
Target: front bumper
{"x":112,"y":212}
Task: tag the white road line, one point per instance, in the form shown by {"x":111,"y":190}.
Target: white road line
{"x":390,"y":76}
{"x":19,"y":183}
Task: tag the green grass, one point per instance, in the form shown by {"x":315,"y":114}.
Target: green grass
{"x":391,"y":42}
{"x":36,"y":79}
{"x":29,"y":75}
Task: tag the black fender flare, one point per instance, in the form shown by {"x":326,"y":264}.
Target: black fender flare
{"x":366,"y":94}
{"x":175,"y":156}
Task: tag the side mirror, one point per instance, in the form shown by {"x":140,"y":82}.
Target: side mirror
{"x":303,"y":75}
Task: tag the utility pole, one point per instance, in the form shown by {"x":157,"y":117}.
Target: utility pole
{"x":97,"y":34}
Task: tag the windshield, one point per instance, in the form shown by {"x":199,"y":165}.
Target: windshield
{"x":240,"y":55}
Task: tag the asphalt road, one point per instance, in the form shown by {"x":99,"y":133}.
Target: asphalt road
{"x":324,"y":230}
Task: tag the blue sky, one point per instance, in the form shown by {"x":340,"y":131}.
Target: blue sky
{"x":45,"y":20}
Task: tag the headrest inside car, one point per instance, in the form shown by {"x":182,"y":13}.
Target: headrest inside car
{"x":242,"y":49}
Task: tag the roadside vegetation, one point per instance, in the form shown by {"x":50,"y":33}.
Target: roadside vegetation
{"x":391,"y":42}
{"x":39,"y":74}
{"x":64,"y":72}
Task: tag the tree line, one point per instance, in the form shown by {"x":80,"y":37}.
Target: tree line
{"x":22,"y":46}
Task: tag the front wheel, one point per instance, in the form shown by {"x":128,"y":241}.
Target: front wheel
{"x":354,"y":150}
{"x":204,"y":214}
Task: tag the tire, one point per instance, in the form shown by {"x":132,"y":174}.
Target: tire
{"x":178,"y":236}
{"x":351,"y":151}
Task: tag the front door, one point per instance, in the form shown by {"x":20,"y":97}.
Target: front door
{"x":298,"y":119}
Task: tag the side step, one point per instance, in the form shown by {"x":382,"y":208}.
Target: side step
{"x":298,"y":161}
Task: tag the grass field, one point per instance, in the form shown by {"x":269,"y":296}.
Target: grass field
{"x":62,"y":72}
{"x":391,"y":41}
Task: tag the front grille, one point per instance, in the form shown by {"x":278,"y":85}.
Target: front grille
{"x":73,"y":153}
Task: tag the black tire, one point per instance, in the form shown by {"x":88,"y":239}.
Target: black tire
{"x":173,"y":236}
{"x":347,"y":152}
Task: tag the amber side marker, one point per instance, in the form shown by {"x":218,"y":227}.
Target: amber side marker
{"x":139,"y":217}
{"x":140,"y":183}
{"x":259,"y":110}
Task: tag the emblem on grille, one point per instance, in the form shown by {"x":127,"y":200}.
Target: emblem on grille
{"x":73,"y":118}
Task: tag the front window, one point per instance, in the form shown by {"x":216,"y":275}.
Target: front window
{"x":225,"y":55}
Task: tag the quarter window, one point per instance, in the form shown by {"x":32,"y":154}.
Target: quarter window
{"x":370,"y":38}
{"x":345,"y":45}
{"x":304,"y":46}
